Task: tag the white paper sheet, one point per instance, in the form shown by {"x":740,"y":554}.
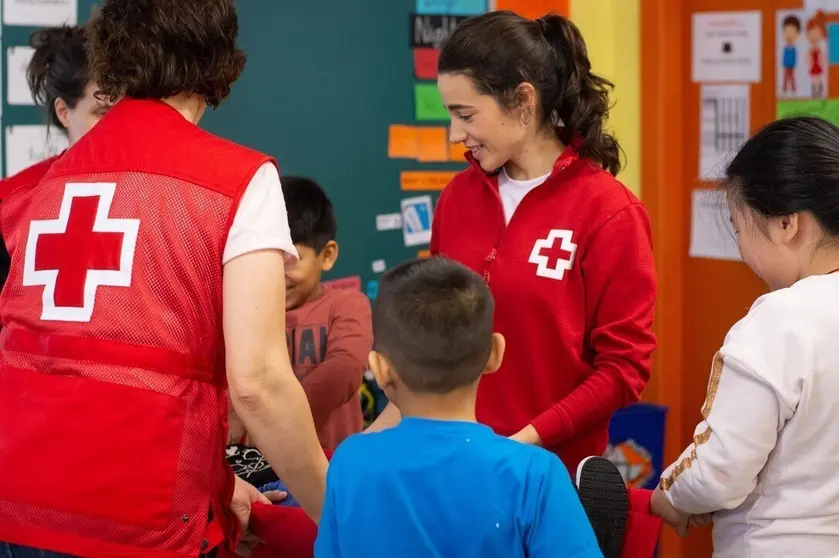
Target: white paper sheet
{"x":824,"y":5}
{"x":30,"y":144}
{"x":724,"y":123}
{"x":379,"y":266}
{"x":40,"y":13}
{"x":17,"y":88}
{"x":711,"y":233}
{"x":726,"y":47}
{"x":389,"y":222}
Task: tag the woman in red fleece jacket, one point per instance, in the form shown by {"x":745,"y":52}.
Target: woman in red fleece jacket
{"x":564,"y":246}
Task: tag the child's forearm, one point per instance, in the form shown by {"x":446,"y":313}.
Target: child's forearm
{"x":730,"y":447}
{"x":331,"y":384}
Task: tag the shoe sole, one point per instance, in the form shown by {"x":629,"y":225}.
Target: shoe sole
{"x":603,"y":495}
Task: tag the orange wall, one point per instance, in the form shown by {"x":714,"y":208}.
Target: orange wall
{"x":534,"y":8}
{"x":699,"y":300}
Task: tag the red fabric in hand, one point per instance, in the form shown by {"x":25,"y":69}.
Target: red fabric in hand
{"x":642,"y":527}
{"x":286,"y":532}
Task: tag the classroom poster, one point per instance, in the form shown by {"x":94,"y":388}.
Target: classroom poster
{"x":711,"y":232}
{"x":726,"y":47}
{"x":17,"y":86}
{"x":802,"y":57}
{"x":723,"y":127}
{"x":417,"y":214}
{"x":30,"y":144}
{"x":40,"y":13}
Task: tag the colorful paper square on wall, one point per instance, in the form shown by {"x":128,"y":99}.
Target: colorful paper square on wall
{"x":452,"y":7}
{"x":402,"y":142}
{"x":433,"y":145}
{"x":428,"y":104}
{"x":833,"y":43}
{"x":425,"y":63}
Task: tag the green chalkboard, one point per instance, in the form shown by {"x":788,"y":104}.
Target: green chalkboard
{"x":324,"y":81}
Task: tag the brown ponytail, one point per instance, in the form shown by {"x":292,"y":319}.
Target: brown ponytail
{"x":584,"y":104}
{"x":501,"y":50}
{"x":58,"y":68}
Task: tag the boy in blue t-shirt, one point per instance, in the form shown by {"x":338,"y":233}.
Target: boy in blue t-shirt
{"x":439,"y":484}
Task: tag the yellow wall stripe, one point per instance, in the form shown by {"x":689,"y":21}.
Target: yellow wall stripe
{"x":612,"y":32}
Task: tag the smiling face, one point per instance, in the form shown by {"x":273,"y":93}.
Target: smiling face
{"x":492,"y":133}
{"x":302,"y":280}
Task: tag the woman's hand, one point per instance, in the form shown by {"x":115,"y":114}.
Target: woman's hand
{"x":528,"y":435}
{"x":244,"y":495}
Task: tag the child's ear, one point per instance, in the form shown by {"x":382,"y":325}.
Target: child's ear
{"x":328,"y":256}
{"x":496,"y":355}
{"x":382,"y":371}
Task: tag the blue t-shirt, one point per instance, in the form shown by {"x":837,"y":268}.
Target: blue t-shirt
{"x":442,"y":489}
{"x":790,"y":57}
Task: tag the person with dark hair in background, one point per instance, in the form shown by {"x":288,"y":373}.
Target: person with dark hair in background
{"x":564,"y":246}
{"x":146,"y":291}
{"x":762,"y":464}
{"x":58,"y":80}
{"x":439,"y":483}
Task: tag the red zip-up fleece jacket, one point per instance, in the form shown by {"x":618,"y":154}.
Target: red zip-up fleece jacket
{"x":574,"y":285}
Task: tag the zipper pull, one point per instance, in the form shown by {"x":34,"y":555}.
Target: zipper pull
{"x":490,"y":257}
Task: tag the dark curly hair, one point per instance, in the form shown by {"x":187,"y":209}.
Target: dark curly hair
{"x":155,"y":49}
{"x":58,"y":68}
{"x":501,"y":50}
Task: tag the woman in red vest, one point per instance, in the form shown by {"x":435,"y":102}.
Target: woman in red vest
{"x":564,"y":246}
{"x":147,"y":277}
{"x":58,"y":80}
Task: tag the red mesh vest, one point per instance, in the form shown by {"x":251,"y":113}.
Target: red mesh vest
{"x":112,"y":383}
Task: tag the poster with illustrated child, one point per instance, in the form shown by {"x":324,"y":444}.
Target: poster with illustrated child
{"x":802,"y":57}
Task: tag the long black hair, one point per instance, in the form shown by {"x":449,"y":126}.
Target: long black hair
{"x":790,"y":166}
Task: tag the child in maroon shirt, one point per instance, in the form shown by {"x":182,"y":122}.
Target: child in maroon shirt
{"x":328,"y":331}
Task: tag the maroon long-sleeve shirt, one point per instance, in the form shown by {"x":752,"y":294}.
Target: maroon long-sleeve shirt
{"x":328,"y":340}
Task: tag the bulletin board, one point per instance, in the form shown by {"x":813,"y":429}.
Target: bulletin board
{"x":700,"y":298}
{"x":324,"y":83}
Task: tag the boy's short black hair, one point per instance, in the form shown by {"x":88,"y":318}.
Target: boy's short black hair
{"x":310,"y":214}
{"x":432,"y":319}
{"x":792,"y":20}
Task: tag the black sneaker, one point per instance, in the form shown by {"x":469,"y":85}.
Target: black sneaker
{"x":603,"y":494}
